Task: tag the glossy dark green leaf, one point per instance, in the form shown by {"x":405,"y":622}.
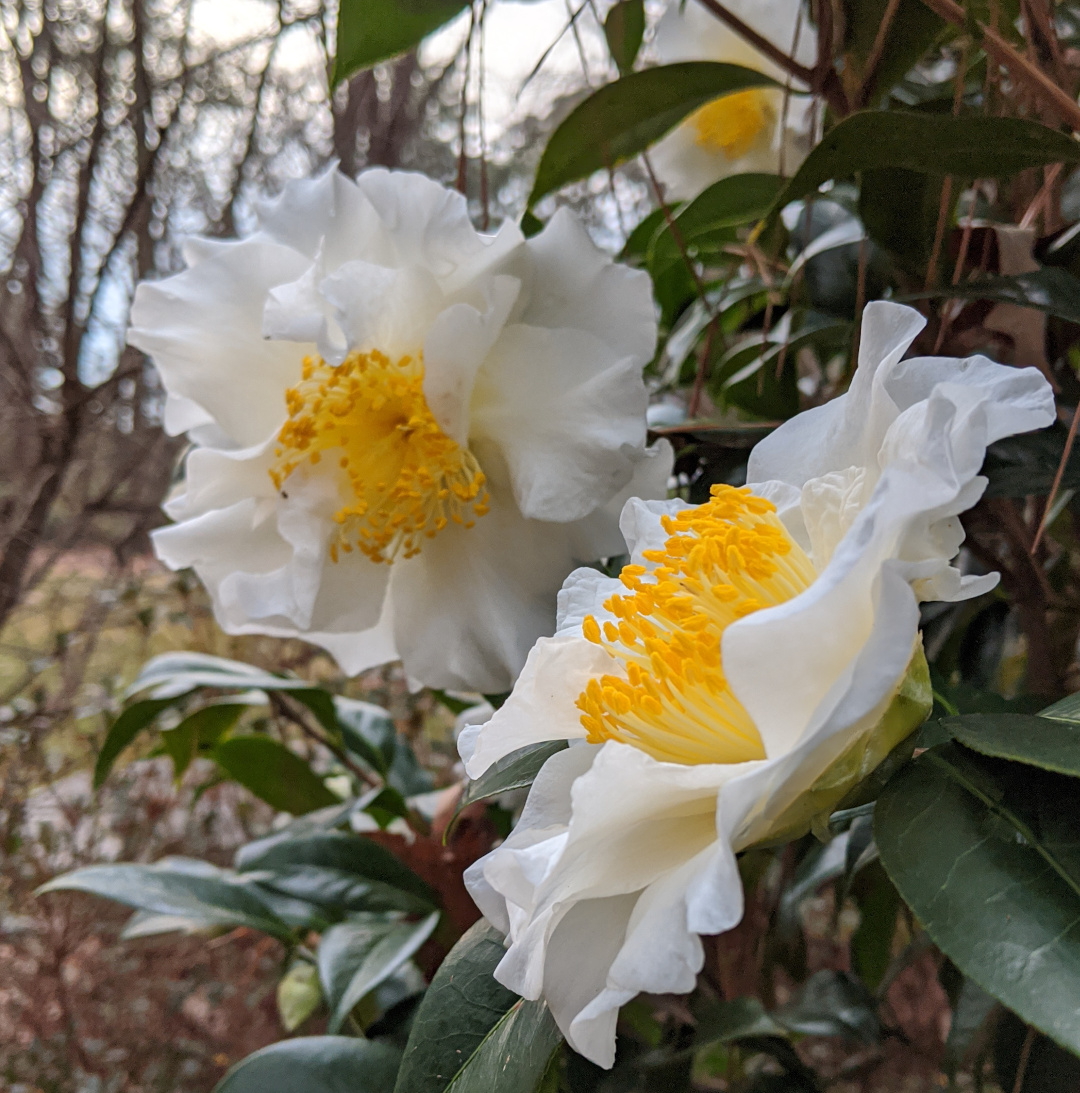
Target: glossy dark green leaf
{"x":734,"y":1019}
{"x":370,"y":31}
{"x":185,"y":888}
{"x":1023,"y":466}
{"x":315,"y":1064}
{"x":623,"y":118}
{"x":987,"y":854}
{"x":518,"y":770}
{"x":967,"y":147}
{"x":367,"y":731}
{"x":1040,"y":741}
{"x":124,"y":729}
{"x":831,"y":1003}
{"x":516,"y":1055}
{"x":913,"y":29}
{"x":900,"y":209}
{"x":181,"y":744}
{"x":273,"y":773}
{"x":710,"y":218}
{"x":357,"y":955}
{"x":352,"y":855}
{"x":1067,"y":709}
{"x":872,"y":943}
{"x":624,"y":29}
{"x":472,"y":1035}
{"x":1049,"y":289}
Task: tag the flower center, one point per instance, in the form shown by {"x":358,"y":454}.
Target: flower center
{"x":402,"y":478}
{"x":722,"y":561}
{"x":733,"y":123}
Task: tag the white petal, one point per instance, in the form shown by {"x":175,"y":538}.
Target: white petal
{"x":848,"y":431}
{"x":428,"y":224}
{"x":575,"y":284}
{"x":454,"y":349}
{"x":203,"y":328}
{"x":471,"y":604}
{"x":380,"y":308}
{"x":541,"y":705}
{"x":567,"y":414}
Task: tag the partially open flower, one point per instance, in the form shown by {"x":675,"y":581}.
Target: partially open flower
{"x":761,"y":129}
{"x":406,"y":434}
{"x":755,"y":660}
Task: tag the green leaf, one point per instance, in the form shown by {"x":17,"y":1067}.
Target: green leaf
{"x":184,"y":888}
{"x":967,"y":147}
{"x":1049,"y":289}
{"x":341,"y":855}
{"x":624,"y":29}
{"x":900,"y":208}
{"x":273,"y":773}
{"x":623,"y":118}
{"x":472,"y":1035}
{"x":831,"y":1003}
{"x":1039,"y":741}
{"x":734,"y":1019}
{"x":181,"y":743}
{"x":370,"y":31}
{"x":1066,"y":709}
{"x":871,"y":944}
{"x":913,"y":30}
{"x":515,"y":1056}
{"x":709,"y":218}
{"x":518,"y":770}
{"x":124,"y":730}
{"x":315,"y":1064}
{"x":1023,"y":466}
{"x":986,"y":853}
{"x":357,"y":955}
{"x":367,"y":731}
{"x":298,"y":995}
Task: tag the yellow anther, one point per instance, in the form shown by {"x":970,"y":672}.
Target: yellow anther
{"x":402,"y":479}
{"x":722,"y":561}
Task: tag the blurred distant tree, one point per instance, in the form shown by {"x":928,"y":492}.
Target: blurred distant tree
{"x":124,"y":125}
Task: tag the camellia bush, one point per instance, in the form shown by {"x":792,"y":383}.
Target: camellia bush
{"x":747,"y":560}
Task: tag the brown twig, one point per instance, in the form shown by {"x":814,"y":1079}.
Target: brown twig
{"x":1037,"y":82}
{"x":877,"y":51}
{"x":1025,"y":1054}
{"x":761,"y":44}
{"x":1059,"y":474}
{"x":293,"y":711}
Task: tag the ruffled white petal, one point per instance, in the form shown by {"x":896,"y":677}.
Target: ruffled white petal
{"x":203,"y":327}
{"x":472,"y":603}
{"x":544,"y":340}
{"x":873,"y":484}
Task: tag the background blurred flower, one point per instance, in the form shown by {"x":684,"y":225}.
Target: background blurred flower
{"x":755,"y":130}
{"x":405,"y":433}
{"x":808,"y":583}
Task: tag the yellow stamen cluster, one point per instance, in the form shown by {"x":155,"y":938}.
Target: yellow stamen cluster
{"x":722,"y":561}
{"x":733,"y":123}
{"x":402,"y":478}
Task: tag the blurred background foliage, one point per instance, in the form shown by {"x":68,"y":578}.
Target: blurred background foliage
{"x":127,"y":124}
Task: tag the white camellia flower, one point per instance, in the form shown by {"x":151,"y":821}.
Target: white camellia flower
{"x":755,"y":660}
{"x":406,"y":434}
{"x":752,"y":130}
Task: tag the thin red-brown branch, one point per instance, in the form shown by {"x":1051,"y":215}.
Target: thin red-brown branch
{"x":1022,"y":70}
{"x":1058,"y":475}
{"x":763,"y":45}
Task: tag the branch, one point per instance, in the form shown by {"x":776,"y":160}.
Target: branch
{"x":1033,"y":77}
{"x":760,"y":43}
